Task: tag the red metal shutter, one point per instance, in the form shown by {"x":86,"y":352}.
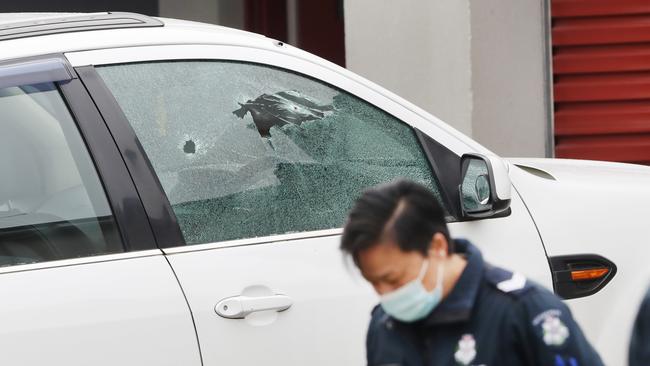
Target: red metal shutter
{"x":601,"y":79}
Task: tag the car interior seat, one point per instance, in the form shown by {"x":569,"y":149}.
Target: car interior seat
{"x":27,"y":234}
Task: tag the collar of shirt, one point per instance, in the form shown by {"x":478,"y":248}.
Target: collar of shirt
{"x":457,"y":306}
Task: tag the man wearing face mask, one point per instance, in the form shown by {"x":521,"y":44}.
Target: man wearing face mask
{"x":440,"y":303}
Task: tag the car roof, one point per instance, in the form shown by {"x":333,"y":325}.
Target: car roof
{"x":173,"y":31}
{"x":8,"y":18}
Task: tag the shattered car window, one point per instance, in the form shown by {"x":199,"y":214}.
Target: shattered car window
{"x":244,"y":150}
{"x":282,"y":108}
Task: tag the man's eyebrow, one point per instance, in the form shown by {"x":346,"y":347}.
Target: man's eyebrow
{"x":382,"y":276}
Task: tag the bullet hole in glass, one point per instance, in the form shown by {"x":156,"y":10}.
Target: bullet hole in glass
{"x":189,"y":147}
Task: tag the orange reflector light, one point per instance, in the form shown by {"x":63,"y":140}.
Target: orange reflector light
{"x":588,"y":274}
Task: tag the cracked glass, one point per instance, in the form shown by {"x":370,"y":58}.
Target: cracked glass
{"x":244,"y":150}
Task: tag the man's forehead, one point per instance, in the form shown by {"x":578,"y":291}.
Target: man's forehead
{"x":379,"y":258}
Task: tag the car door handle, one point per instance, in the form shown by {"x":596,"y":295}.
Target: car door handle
{"x":238,"y":307}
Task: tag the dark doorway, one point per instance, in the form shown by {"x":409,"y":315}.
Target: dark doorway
{"x":314,"y":26}
{"x":320,"y":29}
{"x":267,"y":17}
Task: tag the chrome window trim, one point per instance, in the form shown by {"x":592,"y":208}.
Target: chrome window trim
{"x":254,"y":241}
{"x":78,"y":261}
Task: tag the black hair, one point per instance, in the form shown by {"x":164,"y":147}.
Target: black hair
{"x":403,"y":209}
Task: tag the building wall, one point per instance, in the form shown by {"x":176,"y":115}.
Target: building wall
{"x":478,"y":65}
{"x":417,"y":49}
{"x":511,"y":112}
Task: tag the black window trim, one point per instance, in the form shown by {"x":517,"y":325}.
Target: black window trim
{"x":444,"y":160}
{"x":162,"y":219}
{"x":131,"y":219}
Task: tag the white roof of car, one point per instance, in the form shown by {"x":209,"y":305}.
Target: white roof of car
{"x":173,"y":32}
{"x":8,"y":18}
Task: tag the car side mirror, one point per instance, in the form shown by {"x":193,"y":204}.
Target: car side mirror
{"x":485,"y":186}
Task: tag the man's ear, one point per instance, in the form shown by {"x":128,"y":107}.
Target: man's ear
{"x":439,"y":247}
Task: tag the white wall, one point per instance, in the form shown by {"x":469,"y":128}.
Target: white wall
{"x":478,"y":65}
{"x":508,"y":69}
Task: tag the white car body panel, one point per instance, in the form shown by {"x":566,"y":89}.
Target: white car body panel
{"x":595,"y":207}
{"x":109,"y":311}
{"x":511,"y":242}
{"x":326,"y":324}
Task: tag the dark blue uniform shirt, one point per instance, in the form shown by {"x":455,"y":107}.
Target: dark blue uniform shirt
{"x":491,"y":317}
{"x":640,"y":342}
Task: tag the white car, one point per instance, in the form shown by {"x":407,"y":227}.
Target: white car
{"x":171,"y":193}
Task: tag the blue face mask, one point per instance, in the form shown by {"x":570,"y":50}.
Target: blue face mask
{"x":412,"y":301}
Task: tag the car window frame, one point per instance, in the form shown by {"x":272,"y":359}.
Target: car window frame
{"x":165,"y":225}
{"x":132,"y":222}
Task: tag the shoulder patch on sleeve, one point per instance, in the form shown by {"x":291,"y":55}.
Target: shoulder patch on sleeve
{"x":505,"y":281}
{"x":514,"y":283}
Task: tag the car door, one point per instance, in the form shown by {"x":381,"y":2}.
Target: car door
{"x":260,"y":162}
{"x":82,"y":282}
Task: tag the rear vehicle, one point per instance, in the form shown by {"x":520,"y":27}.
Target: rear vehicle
{"x":173,"y":192}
